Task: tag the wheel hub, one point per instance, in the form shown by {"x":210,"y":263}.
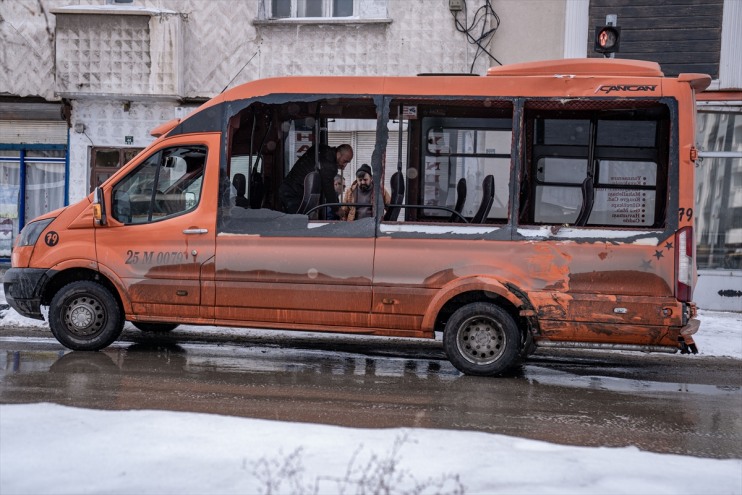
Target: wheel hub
{"x":84,"y":316}
{"x":481,"y":341}
{"x":481,"y":336}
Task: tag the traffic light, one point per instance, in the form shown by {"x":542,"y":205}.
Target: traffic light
{"x":607,"y":39}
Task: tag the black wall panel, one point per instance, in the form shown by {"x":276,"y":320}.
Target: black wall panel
{"x":682,"y":35}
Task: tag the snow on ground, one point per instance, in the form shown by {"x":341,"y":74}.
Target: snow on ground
{"x":48,"y":448}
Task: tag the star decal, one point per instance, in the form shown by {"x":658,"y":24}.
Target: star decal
{"x":658,"y":254}
{"x":668,"y":245}
{"x":646,"y":265}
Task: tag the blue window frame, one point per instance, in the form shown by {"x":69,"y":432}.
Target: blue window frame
{"x":33,"y":181}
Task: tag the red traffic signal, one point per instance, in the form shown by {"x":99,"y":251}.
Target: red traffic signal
{"x":607,"y":39}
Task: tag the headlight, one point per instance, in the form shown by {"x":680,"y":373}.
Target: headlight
{"x":31,"y":232}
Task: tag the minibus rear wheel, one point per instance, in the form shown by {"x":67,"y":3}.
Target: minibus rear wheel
{"x":155,"y":327}
{"x":85,"y":316}
{"x":481,"y":339}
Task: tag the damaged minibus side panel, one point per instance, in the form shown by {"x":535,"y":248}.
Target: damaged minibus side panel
{"x":596,"y":182}
{"x":577,"y":245}
{"x":274,"y":266}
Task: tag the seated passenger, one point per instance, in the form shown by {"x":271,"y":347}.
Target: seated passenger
{"x":339,"y":184}
{"x":361,"y":191}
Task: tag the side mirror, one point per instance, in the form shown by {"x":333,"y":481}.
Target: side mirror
{"x":99,"y":207}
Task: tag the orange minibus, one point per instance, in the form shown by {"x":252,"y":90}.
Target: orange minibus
{"x":546,"y":204}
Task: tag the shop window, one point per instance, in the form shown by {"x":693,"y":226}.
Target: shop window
{"x":32,"y":182}
{"x":719,"y":191}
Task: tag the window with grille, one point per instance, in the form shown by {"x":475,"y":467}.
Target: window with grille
{"x":282,"y":9}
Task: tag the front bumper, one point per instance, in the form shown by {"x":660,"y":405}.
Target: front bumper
{"x":23,"y":288}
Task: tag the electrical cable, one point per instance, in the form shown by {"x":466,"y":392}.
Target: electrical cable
{"x":481,"y":16}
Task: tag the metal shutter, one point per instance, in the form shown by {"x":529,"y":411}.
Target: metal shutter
{"x":33,"y":132}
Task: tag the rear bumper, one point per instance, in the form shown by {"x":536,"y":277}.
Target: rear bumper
{"x":23,"y":289}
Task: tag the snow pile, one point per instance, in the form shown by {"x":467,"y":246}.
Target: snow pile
{"x":49,"y":448}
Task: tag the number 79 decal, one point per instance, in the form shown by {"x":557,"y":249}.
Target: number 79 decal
{"x":685,"y":212}
{"x":51,"y":238}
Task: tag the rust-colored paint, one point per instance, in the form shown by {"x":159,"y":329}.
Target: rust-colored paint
{"x":557,"y":331}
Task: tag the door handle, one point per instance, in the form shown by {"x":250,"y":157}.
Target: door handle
{"x":195,"y":231}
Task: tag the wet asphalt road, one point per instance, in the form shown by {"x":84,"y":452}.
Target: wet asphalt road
{"x":688,"y":405}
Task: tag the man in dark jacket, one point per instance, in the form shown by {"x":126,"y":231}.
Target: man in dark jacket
{"x":331,"y":159}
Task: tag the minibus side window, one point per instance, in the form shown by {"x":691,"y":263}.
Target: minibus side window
{"x":596,"y":168}
{"x":457,"y":161}
{"x":166,"y":184}
{"x":457,"y":165}
{"x":266,"y":185}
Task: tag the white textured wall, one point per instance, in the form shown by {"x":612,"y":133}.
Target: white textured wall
{"x":107,"y":123}
{"x":220,"y":40}
{"x":109,"y":53}
{"x":421,"y":38}
{"x":530,"y":30}
{"x":27,"y":48}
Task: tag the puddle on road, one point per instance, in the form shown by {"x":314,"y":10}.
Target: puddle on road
{"x":220,"y":358}
{"x":545,"y":376}
{"x":228,"y":358}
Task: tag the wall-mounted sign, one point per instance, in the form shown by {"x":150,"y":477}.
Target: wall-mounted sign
{"x":129,"y":139}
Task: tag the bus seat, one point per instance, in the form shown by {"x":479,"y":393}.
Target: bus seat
{"x":240,"y":183}
{"x":397,"y":185}
{"x":257,"y":190}
{"x":488,"y":198}
{"x":588,"y":198}
{"x":460,"y":199}
{"x":312,"y":187}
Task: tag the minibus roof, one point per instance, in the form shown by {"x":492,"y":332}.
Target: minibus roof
{"x":442,"y":84}
{"x":580,"y":67}
{"x":529,"y":78}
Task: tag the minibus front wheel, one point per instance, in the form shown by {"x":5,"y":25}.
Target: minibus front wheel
{"x":85,"y":316}
{"x":481,"y":339}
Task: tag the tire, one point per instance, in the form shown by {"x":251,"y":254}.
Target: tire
{"x":481,"y":339}
{"x":155,"y":327}
{"x":85,"y":316}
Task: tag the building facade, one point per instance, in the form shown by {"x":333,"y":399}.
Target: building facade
{"x":84,"y":81}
